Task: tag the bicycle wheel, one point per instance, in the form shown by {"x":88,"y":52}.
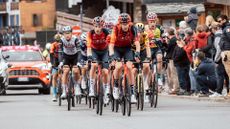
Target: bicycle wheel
{"x":101,"y":101}
{"x":156,"y":92}
{"x":152,"y":93}
{"x":141,"y":92}
{"x":138,"y":91}
{"x":59,"y":93}
{"x":123,"y":106}
{"x":128,"y":98}
{"x":73,"y":101}
{"x":69,"y":101}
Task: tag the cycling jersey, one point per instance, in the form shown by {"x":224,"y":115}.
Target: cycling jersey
{"x":54,"y":49}
{"x":54,"y":53}
{"x":70,"y":47}
{"x":83,"y":48}
{"x":97,"y":41}
{"x":153,"y":34}
{"x":143,"y":40}
{"x":123,"y":39}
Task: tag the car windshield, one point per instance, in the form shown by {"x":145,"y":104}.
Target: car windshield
{"x":23,"y":56}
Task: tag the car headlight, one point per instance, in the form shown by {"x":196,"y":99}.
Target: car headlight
{"x":42,"y":66}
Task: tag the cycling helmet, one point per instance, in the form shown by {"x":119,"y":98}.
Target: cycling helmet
{"x":57,"y":37}
{"x":98,"y":21}
{"x":48,"y":45}
{"x":66,"y":29}
{"x":124,"y":18}
{"x":83,"y":36}
{"x":108,"y":25}
{"x":151,"y":16}
{"x":140,"y":27}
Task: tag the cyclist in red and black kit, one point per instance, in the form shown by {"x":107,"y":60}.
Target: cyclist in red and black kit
{"x":97,"y":49}
{"x":124,"y":34}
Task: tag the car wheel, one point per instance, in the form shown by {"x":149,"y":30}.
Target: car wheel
{"x":46,"y":91}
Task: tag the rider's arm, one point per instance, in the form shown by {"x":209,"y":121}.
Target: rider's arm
{"x":148,"y":50}
{"x":89,"y":41}
{"x":112,"y":42}
{"x":136,"y":40}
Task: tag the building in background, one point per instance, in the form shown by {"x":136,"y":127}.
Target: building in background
{"x":9,"y":13}
{"x":37,"y":15}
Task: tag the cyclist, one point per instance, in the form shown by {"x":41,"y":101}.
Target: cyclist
{"x":123,"y":35}
{"x":45,"y":53}
{"x":69,"y":58}
{"x":83,"y":59}
{"x":145,"y":55}
{"x":154,"y":35}
{"x":97,"y":49}
{"x":54,"y":49}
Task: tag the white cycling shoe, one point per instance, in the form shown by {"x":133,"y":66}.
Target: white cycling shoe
{"x":115,"y":92}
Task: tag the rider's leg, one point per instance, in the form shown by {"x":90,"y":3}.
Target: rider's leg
{"x":83,"y":79}
{"x":159,"y":57}
{"x":92,"y":76}
{"x":66,"y":70}
{"x":146,"y":71}
{"x":54,"y":83}
{"x":116,"y":73}
{"x":76,"y":76}
{"x":106,"y":86}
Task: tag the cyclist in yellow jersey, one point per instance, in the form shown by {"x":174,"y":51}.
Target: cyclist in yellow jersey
{"x":154,"y":35}
{"x":145,"y":56}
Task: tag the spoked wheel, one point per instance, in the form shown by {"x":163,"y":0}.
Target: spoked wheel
{"x":99,"y":99}
{"x":59,"y":96}
{"x":128,"y":100}
{"x":123,"y":106}
{"x":73,"y":101}
{"x":69,"y":101}
{"x":154,"y":93}
{"x":140,"y":95}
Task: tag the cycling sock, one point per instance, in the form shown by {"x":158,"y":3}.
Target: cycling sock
{"x":145,"y":80}
{"x":92,"y":82}
{"x":54,"y":89}
{"x":63,"y":88}
{"x":115,"y":82}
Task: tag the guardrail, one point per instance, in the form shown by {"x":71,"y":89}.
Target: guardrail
{"x":64,"y":19}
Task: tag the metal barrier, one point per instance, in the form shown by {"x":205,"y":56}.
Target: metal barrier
{"x":64,"y":19}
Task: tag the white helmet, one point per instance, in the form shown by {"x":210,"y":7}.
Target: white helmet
{"x":48,"y":45}
{"x":66,"y":29}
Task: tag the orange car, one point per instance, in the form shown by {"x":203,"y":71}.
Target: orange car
{"x":29,"y":69}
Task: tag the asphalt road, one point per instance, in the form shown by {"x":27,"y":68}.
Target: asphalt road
{"x":28,"y":110}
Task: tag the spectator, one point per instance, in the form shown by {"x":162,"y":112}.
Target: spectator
{"x":225,"y":43}
{"x":201,"y":37}
{"x":190,"y":46}
{"x":223,"y":21}
{"x":209,"y":48}
{"x":171,"y":70}
{"x":209,"y":21}
{"x":183,"y":25}
{"x":181,"y":62}
{"x":205,"y":74}
{"x":216,"y":29}
{"x":192,"y":18}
